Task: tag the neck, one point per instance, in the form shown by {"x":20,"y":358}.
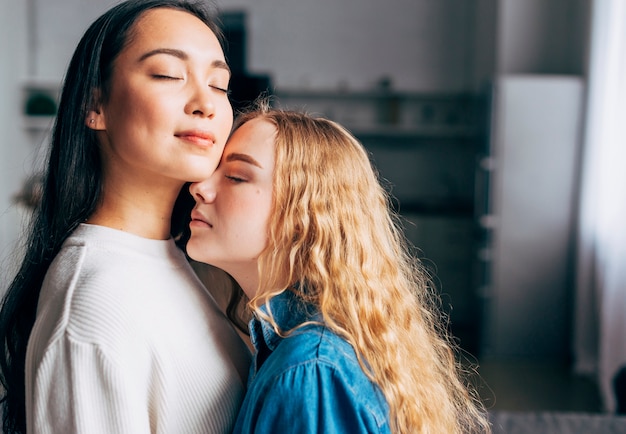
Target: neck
{"x":145,"y":211}
{"x":246,"y":277}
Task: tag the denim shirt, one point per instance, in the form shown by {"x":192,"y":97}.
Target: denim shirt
{"x":308,"y":382}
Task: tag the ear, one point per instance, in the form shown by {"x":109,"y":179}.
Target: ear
{"x":95,"y":120}
{"x":95,"y":117}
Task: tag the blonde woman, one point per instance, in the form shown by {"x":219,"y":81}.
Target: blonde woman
{"x":346,"y":335}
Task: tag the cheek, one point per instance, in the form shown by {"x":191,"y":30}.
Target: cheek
{"x":140,"y":103}
{"x":263,"y":218}
{"x":154,"y":112}
{"x":225,"y":123}
{"x":121,"y":112}
{"x":256,"y":216}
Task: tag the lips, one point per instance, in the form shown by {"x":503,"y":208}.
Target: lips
{"x":199,"y":219}
{"x":197,"y":137}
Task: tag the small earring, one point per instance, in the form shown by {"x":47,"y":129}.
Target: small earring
{"x":91,"y":121}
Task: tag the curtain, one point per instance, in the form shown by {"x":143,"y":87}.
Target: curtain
{"x":600,"y":315}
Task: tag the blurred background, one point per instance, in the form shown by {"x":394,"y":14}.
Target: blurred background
{"x":479,"y":114}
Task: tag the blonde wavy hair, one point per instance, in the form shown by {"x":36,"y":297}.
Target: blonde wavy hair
{"x":332,"y":231}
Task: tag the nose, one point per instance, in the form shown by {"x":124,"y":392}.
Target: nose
{"x":203,"y":191}
{"x":201,"y":100}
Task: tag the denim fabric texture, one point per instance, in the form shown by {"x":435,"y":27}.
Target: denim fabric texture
{"x":307,"y":382}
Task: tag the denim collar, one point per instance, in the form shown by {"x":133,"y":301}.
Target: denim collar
{"x":289,"y":311}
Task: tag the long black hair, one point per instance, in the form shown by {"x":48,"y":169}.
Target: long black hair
{"x":72,"y":184}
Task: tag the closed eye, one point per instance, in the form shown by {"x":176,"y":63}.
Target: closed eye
{"x":165,"y":77}
{"x":220,"y":89}
{"x":235,"y":179}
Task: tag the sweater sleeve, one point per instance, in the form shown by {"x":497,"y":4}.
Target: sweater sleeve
{"x":77,"y":389}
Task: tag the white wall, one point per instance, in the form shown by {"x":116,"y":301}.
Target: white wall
{"x":59,"y":25}
{"x":14,"y":149}
{"x":420,"y":44}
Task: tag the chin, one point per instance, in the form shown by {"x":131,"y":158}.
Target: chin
{"x":191,"y":251}
{"x":202,"y":170}
{"x":195,"y":252}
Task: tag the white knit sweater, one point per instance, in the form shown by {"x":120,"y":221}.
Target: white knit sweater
{"x":127,"y":340}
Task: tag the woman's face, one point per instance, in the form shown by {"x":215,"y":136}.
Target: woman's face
{"x":167,"y":115}
{"x":229,"y":226}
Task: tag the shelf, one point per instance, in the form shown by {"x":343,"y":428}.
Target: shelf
{"x":418,"y":132}
{"x":340,"y":94}
{"x":391,"y":114}
{"x":438,"y":208}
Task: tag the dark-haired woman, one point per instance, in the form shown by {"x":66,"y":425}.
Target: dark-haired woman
{"x":106,"y":329}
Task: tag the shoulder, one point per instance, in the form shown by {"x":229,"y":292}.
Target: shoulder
{"x":84,"y":283}
{"x":315,"y":374}
{"x":317,"y":347}
{"x":81,"y":304}
{"x":99,"y":289}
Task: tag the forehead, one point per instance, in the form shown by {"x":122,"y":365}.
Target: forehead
{"x":255,"y":138}
{"x":165,"y":27}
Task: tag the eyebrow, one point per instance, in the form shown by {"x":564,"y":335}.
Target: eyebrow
{"x":180,"y":54}
{"x":243,"y":157}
